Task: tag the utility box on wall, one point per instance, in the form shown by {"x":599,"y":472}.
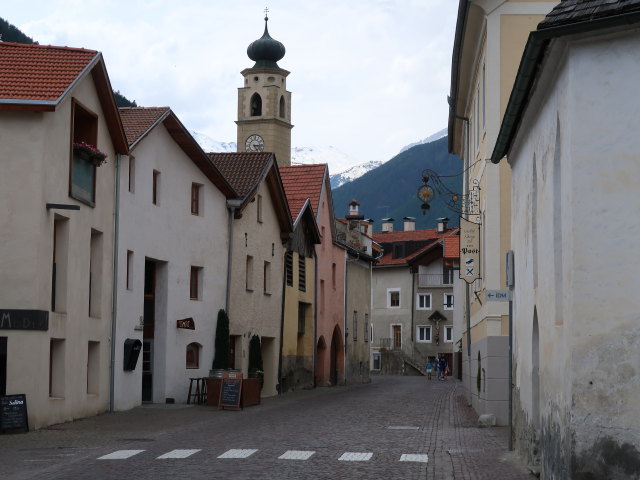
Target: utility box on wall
{"x":132,"y":349}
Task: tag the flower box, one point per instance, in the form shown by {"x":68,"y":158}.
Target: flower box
{"x":89,"y":153}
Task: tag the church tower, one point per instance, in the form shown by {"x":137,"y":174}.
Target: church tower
{"x":264,"y":104}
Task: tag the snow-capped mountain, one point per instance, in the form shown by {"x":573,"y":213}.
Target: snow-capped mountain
{"x":429,"y":139}
{"x":208,"y":144}
{"x":350,"y":174}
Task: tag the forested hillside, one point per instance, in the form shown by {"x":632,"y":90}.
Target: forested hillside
{"x":390,"y":190}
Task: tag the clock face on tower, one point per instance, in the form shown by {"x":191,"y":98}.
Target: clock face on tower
{"x":254,"y":143}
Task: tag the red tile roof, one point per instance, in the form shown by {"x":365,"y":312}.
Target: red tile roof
{"x":243,"y":170}
{"x":402,"y":236}
{"x":138,"y":120}
{"x":40,"y":72}
{"x":452,"y":246}
{"x":301,"y":182}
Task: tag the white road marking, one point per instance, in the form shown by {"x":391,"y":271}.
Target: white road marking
{"x":355,"y":457}
{"x":238,"y":453}
{"x":296,"y":455}
{"x":179,"y":453}
{"x":414,"y":457}
{"x":120,"y":455}
{"x":400,"y":427}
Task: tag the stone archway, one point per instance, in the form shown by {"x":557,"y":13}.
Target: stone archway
{"x":336,"y":369}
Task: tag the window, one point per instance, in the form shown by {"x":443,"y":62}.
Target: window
{"x":256,"y":105}
{"x":302,"y":310}
{"x":448,"y":333}
{"x":83,"y":172}
{"x":259,"y":202}
{"x":193,"y":355}
{"x":288,"y":266}
{"x":355,"y":326}
{"x":376,"y":361}
{"x":59,"y":267}
{"x":448,"y":301}
{"x":447,"y":275}
{"x":156,"y":187}
{"x":366,"y":327}
{"x":423,"y":301}
{"x":302,"y":275}
{"x":281,"y":106}
{"x":321,"y":296}
{"x":56,"y":368}
{"x":398,"y":250}
{"x":393,"y":298}
{"x":195,"y":283}
{"x":129,"y":270}
{"x":95,"y":274}
{"x":132,"y":174}
{"x":195,"y":198}
{"x":93,"y":368}
{"x":267,"y":278}
{"x":423,"y":333}
{"x":249,"y":273}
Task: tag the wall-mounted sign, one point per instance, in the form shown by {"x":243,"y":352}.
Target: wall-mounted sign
{"x":24,"y":319}
{"x":187,"y":323}
{"x":469,"y":250}
{"x":498,"y":295}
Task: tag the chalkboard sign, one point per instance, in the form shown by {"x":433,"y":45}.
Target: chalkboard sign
{"x":230,"y":393}
{"x":13,"y":413}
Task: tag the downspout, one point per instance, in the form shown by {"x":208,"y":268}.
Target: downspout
{"x":232,"y":206}
{"x":284,"y":293}
{"x":114,"y":284}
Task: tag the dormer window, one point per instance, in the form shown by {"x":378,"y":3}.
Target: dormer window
{"x":398,"y":250}
{"x":256,"y":105}
{"x":84,"y":124}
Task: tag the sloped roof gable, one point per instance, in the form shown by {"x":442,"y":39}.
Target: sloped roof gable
{"x":302,"y":182}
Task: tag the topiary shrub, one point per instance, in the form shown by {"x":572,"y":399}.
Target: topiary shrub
{"x":222,"y":343}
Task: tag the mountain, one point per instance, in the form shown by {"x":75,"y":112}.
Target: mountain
{"x":208,"y":144}
{"x":390,"y":189}
{"x":350,"y":174}
{"x":429,"y":139}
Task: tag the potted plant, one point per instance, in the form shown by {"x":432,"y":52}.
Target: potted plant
{"x":89,"y":153}
{"x":222,"y":342}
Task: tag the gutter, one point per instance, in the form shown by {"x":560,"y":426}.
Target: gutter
{"x":232,"y":206}
{"x":114,"y":285}
{"x":529,"y":71}
{"x":461,"y":23}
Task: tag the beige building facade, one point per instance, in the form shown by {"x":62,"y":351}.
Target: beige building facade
{"x":489,"y":39}
{"x":57,"y":231}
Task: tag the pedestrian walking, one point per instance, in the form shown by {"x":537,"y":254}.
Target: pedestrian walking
{"x":429,"y":369}
{"x":442,"y":367}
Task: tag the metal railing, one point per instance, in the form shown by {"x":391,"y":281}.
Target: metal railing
{"x":435,"y":279}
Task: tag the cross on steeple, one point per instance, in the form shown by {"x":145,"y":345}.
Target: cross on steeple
{"x":266,"y":13}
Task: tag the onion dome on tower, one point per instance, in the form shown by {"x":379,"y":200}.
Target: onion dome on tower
{"x":266,"y":51}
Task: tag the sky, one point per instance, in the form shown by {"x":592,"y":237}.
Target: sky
{"x":367,"y":76}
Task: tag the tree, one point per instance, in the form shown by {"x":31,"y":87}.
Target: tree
{"x":222,"y":343}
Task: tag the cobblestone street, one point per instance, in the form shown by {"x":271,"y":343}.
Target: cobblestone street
{"x":393,"y":428}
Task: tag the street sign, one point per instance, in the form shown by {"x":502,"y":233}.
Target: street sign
{"x":498,"y":295}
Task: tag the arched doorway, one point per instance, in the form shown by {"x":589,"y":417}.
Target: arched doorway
{"x":337,"y":357}
{"x":321,"y":358}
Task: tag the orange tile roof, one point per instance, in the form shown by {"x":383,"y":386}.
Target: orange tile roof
{"x":243,"y":170}
{"x":402,"y":236}
{"x":138,"y":120}
{"x":40,"y":72}
{"x":452,"y":246}
{"x":301,"y":182}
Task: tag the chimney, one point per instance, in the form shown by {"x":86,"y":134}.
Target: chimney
{"x":353,"y":211}
{"x":442,"y":224}
{"x":409,"y":224}
{"x":387,"y":224}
